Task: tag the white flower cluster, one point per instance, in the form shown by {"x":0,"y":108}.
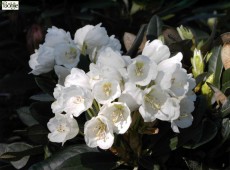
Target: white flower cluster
{"x":152,"y":83}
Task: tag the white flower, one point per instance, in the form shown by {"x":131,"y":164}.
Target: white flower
{"x":186,"y":108}
{"x":119,"y":115}
{"x":142,"y":70}
{"x":131,"y":96}
{"x":73,"y":100}
{"x":156,"y":51}
{"x":61,"y":72}
{"x":42,"y":61}
{"x":107,"y":56}
{"x":92,"y":37}
{"x":106,"y":91}
{"x":56,"y":36}
{"x":158,"y":104}
{"x":62,"y":128}
{"x":77,"y":77}
{"x":114,"y":43}
{"x":166,"y":68}
{"x":67,"y":55}
{"x":99,"y":132}
{"x":100,"y":72}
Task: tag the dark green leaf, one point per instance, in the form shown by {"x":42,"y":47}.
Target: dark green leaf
{"x":26,"y":117}
{"x":225,"y":87}
{"x":202,"y":77}
{"x":212,"y":6}
{"x":215,"y":65}
{"x":101,"y":4}
{"x":38,"y":134}
{"x":209,"y":131}
{"x":52,"y":13}
{"x":226,"y":76}
{"x":17,"y":151}
{"x":58,"y":158}
{"x":43,"y":97}
{"x":225,"y":110}
{"x":46,"y":84}
{"x":154,"y":28}
{"x":42,"y":112}
{"x":90,"y":161}
{"x":133,"y":50}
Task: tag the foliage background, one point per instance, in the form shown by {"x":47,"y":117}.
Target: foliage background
{"x":22,"y":31}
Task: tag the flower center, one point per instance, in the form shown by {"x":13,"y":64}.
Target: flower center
{"x":100,"y":130}
{"x":78,"y":100}
{"x":139,"y":69}
{"x":71,"y":54}
{"x":117,"y":115}
{"x":107,"y":88}
{"x":154,"y":102}
{"x":61,"y":128}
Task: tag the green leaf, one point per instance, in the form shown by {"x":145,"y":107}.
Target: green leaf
{"x":215,"y":65}
{"x":226,"y":76}
{"x":26,"y":117}
{"x":225,"y":87}
{"x":208,"y":131}
{"x":137,"y":42}
{"x":59,"y":157}
{"x":37,"y":134}
{"x":100,"y":4}
{"x":46,"y":84}
{"x":90,"y":161}
{"x":225,"y":110}
{"x":154,"y":28}
{"x":42,"y":112}
{"x":202,"y":77}
{"x":52,"y":13}
{"x":43,"y":97}
{"x":17,"y":151}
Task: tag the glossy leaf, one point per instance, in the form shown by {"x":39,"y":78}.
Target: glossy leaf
{"x":60,"y":157}
{"x":137,"y":42}
{"x":215,"y":65}
{"x":154,"y":28}
{"x":38,"y":134}
{"x":225,"y":110}
{"x":26,"y":117}
{"x":90,"y":161}
{"x":42,"y":112}
{"x":43,"y":97}
{"x":46,"y":84}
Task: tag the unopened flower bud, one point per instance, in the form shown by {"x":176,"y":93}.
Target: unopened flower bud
{"x":197,"y":63}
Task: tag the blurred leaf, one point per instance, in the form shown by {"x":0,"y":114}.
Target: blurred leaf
{"x":171,"y":35}
{"x":175,"y":6}
{"x":17,"y":151}
{"x":154,"y":28}
{"x":128,"y":39}
{"x":42,"y":112}
{"x":28,"y":8}
{"x":26,"y":117}
{"x":226,"y":76}
{"x":137,"y":42}
{"x":225,"y":131}
{"x":202,"y":77}
{"x":219,"y":95}
{"x":38,"y":134}
{"x":52,"y":13}
{"x":89,"y":161}
{"x":225,"y":86}
{"x":215,"y":65}
{"x":225,"y":37}
{"x":212,"y":6}
{"x":42,"y":97}
{"x":208,"y":131}
{"x":225,"y":110}
{"x":59,"y":157}
{"x":99,"y":4}
{"x":225,"y":56}
{"x":46,"y":84}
